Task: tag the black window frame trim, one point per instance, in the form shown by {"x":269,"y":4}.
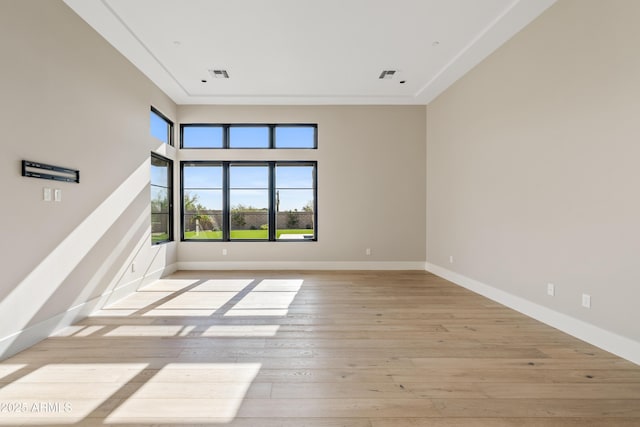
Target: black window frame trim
{"x":226,"y":208}
{"x":203,"y":125}
{"x":170,"y":187}
{"x":272,"y":132}
{"x":159,"y":113}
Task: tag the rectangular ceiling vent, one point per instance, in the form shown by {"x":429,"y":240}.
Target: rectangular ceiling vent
{"x":219,"y":74}
{"x":387,"y":74}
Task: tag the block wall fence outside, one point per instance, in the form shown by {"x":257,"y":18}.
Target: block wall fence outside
{"x":248,"y":220}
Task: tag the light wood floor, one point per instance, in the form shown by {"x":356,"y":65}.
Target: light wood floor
{"x":317,"y":349}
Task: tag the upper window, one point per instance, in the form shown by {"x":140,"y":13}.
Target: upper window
{"x":161,"y":196}
{"x":249,"y":137}
{"x":202,"y":136}
{"x":258,"y":136}
{"x":295,"y":136}
{"x":161,"y":127}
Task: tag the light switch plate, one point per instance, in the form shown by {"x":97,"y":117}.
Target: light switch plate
{"x":551,"y":289}
{"x":57,"y":195}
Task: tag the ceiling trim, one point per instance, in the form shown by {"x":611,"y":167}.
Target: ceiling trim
{"x":514,"y":18}
{"x":100,"y":16}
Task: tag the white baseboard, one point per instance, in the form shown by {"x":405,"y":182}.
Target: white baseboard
{"x":169,"y":269}
{"x":31,"y":335}
{"x":608,"y":341}
{"x":306,"y":265}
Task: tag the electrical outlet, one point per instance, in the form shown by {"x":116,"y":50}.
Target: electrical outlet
{"x":586,"y":300}
{"x":367,"y":251}
{"x":224,"y":251}
{"x":450,"y":259}
{"x":551,"y":289}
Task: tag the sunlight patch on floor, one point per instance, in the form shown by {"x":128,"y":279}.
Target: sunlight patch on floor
{"x":189,"y":393}
{"x":256,"y":313}
{"x":106,"y":312}
{"x":64,"y":393}
{"x":223,"y":285}
{"x":150,"y":331}
{"x":78,"y":331}
{"x":8,"y":369}
{"x":167,"y":285}
{"x":269,"y":298}
{"x":139,"y":300}
{"x":198,"y":300}
{"x":178,"y":313}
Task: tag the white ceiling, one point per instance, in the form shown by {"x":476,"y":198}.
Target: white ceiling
{"x":306,"y":51}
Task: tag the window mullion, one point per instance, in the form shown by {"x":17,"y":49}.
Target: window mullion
{"x":272,"y":202}
{"x":272,"y":136}
{"x":226,"y":223}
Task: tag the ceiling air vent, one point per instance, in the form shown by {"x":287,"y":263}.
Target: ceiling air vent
{"x":219,"y":74}
{"x":387,"y":74}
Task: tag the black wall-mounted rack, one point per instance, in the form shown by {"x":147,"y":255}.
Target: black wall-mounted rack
{"x":56,"y":173}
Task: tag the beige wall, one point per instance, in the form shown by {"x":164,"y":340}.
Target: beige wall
{"x":68,"y":98}
{"x":370,"y":159}
{"x":533,"y":165}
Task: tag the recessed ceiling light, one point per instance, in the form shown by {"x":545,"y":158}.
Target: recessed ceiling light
{"x":219,"y":74}
{"x":387,"y":74}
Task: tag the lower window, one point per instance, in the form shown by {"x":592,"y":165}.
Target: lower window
{"x":249,"y":201}
{"x":161,"y":196}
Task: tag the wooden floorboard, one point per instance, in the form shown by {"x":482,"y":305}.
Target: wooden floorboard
{"x":315,"y":349}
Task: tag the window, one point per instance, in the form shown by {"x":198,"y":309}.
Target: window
{"x":161,"y":127}
{"x":279,"y":136}
{"x":295,"y":200}
{"x":296,"y":136}
{"x":202,"y":201}
{"x":249,"y":136}
{"x":202,"y":136}
{"x":250,"y":201}
{"x":161,"y":196}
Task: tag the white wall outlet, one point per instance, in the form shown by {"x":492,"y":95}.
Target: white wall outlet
{"x":586,"y":300}
{"x":57,"y":195}
{"x":551,"y":289}
{"x":367,"y":251}
{"x":450,"y":259}
{"x":46,"y":194}
{"x":224,"y":252}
